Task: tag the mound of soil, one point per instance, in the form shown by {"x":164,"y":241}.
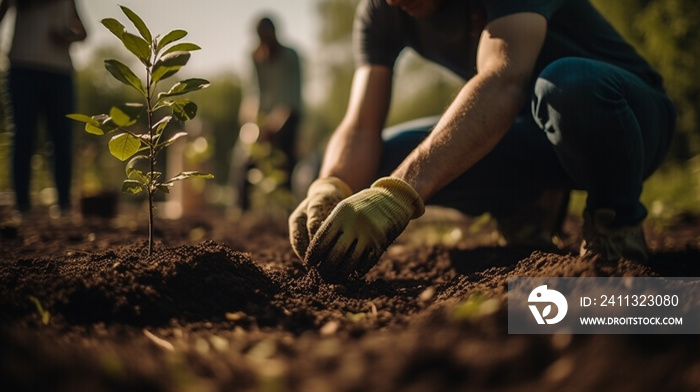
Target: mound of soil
{"x":226,"y":306}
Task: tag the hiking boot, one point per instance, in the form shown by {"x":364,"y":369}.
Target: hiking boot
{"x":535,"y":225}
{"x":601,"y":238}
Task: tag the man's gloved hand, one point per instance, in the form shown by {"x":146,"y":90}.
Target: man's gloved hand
{"x":361,"y":227}
{"x":323,"y":195}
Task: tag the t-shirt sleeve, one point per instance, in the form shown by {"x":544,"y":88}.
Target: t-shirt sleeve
{"x":376,"y":34}
{"x":500,"y":8}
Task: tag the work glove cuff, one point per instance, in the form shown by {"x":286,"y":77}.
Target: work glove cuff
{"x":403,"y":192}
{"x":327,"y":185}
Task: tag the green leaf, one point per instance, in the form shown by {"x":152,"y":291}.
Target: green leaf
{"x":96,"y":125}
{"x":137,"y":175}
{"x":89,"y":128}
{"x":91,"y":125}
{"x":126,"y":114}
{"x":105,"y":123}
{"x":124,"y":146}
{"x":138,"y":46}
{"x":114,"y":26}
{"x":132,"y":186}
{"x":168,"y":65}
{"x":45,"y":314}
{"x":172,"y":140}
{"x":169,"y":38}
{"x":189,"y":174}
{"x":184,"y":47}
{"x":82,"y":118}
{"x":165,"y":188}
{"x":132,"y":170}
{"x":138,"y":23}
{"x":124,"y":74}
{"x":161,"y":124}
{"x":185,"y":86}
{"x":183,"y":109}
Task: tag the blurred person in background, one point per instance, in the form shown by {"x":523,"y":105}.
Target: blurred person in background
{"x":277,"y":112}
{"x":554,"y":99}
{"x":40,"y":84}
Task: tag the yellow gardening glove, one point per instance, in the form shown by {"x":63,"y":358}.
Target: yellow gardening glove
{"x":323,"y":195}
{"x":361,"y":227}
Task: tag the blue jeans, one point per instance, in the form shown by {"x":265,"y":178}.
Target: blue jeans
{"x":605,"y":131}
{"x":37,"y":94}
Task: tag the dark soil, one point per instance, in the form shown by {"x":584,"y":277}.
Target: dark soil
{"x":226,"y":306}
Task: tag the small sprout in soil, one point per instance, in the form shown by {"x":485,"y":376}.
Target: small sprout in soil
{"x":476,"y":305}
{"x":161,"y":57}
{"x":43,"y":314}
{"x":355,"y":317}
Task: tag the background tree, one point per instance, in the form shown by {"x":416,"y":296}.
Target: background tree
{"x":666,"y":33}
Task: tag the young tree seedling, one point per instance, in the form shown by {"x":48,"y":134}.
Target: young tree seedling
{"x":45,"y":315}
{"x":162,"y":57}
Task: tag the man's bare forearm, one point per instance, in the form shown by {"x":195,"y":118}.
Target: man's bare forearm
{"x":472,"y":126}
{"x":354,"y":151}
{"x":353,"y":157}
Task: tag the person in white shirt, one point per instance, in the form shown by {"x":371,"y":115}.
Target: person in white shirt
{"x":40,"y":84}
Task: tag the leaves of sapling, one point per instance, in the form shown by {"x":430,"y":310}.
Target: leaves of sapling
{"x":132,"y":170}
{"x":89,"y":128}
{"x":141,"y":149}
{"x":183,"y":47}
{"x":159,"y":127}
{"x":132,"y":187}
{"x":170,"y":141}
{"x":126,"y":115}
{"x":138,"y":23}
{"x":91,"y":125}
{"x":184,"y":87}
{"x":165,"y":188}
{"x":189,"y":174}
{"x":124,"y":146}
{"x":96,"y":125}
{"x":82,"y":118}
{"x":114,"y":26}
{"x":169,"y":38}
{"x":125,"y":75}
{"x":168,"y":65}
{"x":183,"y":109}
{"x":106,"y":124}
{"x":138,"y":46}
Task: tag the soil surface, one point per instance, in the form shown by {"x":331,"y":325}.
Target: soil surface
{"x":226,"y":306}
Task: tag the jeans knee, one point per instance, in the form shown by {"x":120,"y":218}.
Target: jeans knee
{"x":578,"y":83}
{"x":570,"y":91}
{"x":573,"y":84}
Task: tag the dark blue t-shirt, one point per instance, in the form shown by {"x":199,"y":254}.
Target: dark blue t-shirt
{"x":450,"y":36}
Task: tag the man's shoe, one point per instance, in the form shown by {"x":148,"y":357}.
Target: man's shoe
{"x":535,"y":225}
{"x":603,"y":240}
